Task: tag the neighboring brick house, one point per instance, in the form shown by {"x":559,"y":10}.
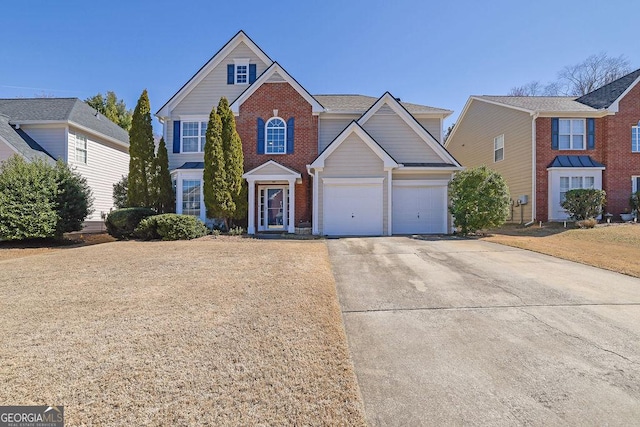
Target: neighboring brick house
{"x":70,"y":130}
{"x":545,"y":146}
{"x":344,"y":164}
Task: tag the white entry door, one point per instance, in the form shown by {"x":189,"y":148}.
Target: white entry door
{"x":274,"y":203}
{"x":352,"y":209}
{"x":419,"y":207}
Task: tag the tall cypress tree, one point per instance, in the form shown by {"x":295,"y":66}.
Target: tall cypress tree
{"x":234,"y":161}
{"x":141,"y":151}
{"x":166,"y":201}
{"x":217,"y":197}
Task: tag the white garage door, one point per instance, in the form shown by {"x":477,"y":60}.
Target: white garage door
{"x":419,"y":208}
{"x":352,"y":209}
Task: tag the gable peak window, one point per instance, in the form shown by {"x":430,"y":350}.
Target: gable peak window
{"x":241,"y":71}
{"x":498,"y":148}
{"x":571,"y":134}
{"x":276,"y":136}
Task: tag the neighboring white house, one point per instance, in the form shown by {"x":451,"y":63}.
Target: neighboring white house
{"x":70,"y":130}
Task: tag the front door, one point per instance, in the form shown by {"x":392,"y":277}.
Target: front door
{"x":273,"y":208}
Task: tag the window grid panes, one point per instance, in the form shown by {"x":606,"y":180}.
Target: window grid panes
{"x":193,"y":136}
{"x":635,"y":139}
{"x":498,"y":148}
{"x":575,"y":182}
{"x":571,"y":134}
{"x":81,"y":148}
{"x":241,"y":74}
{"x":276,"y":136}
{"x":191,"y":197}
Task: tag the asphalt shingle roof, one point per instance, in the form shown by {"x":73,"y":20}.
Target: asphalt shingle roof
{"x":192,"y":165}
{"x":22,"y":142}
{"x":61,"y":109}
{"x":541,"y":103}
{"x":605,"y":96}
{"x":574,"y":162}
{"x":361,"y":103}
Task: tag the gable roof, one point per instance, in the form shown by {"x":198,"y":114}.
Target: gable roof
{"x":285,"y":170}
{"x":358,"y":104}
{"x":610,"y":93}
{"x":354,"y":128}
{"x":274,"y":68}
{"x":215,"y":60}
{"x":536,"y":104}
{"x":424,"y":134}
{"x":22,"y":143}
{"x":62,"y":110}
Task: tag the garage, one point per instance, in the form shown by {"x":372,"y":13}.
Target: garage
{"x":419,"y":207}
{"x":352,"y":207}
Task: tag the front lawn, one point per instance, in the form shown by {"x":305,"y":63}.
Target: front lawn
{"x":204,"y":332}
{"x":611,"y":246}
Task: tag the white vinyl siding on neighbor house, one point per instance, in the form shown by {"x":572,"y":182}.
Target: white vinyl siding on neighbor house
{"x":53,"y":139}
{"x":352,"y":159}
{"x":330,"y":128}
{"x":208,"y":92}
{"x":397,"y":138}
{"x":571,"y":134}
{"x":434,"y":126}
{"x":635,"y":139}
{"x":106,"y":164}
{"x":498,"y":148}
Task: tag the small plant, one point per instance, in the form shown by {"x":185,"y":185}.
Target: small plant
{"x":584,"y":203}
{"x":215,"y":232}
{"x":634,"y":202}
{"x":236,"y":231}
{"x":587,"y":223}
{"x":171,"y":227}
{"x":121,"y":223}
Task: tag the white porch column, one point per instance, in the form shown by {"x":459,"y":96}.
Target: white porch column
{"x":292,"y":207}
{"x":251,"y":226}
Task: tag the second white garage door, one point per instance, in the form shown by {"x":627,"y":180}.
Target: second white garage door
{"x":352,"y":208}
{"x":419,"y":207}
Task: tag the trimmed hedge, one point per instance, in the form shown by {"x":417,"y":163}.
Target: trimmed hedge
{"x":584,"y":203}
{"x":171,"y":226}
{"x":121,"y":223}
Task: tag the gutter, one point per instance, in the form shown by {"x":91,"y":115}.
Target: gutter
{"x":533,"y":169}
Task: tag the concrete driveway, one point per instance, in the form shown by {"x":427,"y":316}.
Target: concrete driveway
{"x":452,"y":331}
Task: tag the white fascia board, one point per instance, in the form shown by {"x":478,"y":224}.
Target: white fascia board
{"x":316,"y":107}
{"x":208,"y":67}
{"x":428,"y":139}
{"x":410,"y":169}
{"x":616,"y":104}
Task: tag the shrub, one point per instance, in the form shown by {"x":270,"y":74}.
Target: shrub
{"x":171,"y":227}
{"x":479,"y":199}
{"x":73,"y":201}
{"x":584,"y":203}
{"x":120,"y":193}
{"x":121,"y":223}
{"x":236,"y":231}
{"x":587,"y":223}
{"x":634,"y":201}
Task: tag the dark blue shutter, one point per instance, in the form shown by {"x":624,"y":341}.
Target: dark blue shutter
{"x":231,"y":78}
{"x":176,"y":136}
{"x":591,"y":134}
{"x":290,"y":134}
{"x":555,"y":123}
{"x":252,"y":73}
{"x":260,"y":136}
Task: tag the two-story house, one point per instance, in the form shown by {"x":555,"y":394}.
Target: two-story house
{"x":70,"y":130}
{"x":347,"y":164}
{"x":546,"y":146}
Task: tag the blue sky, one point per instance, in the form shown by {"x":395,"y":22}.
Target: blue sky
{"x":426,"y":52}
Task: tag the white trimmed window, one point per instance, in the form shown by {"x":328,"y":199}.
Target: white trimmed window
{"x":191,"y":197}
{"x":635,"y":184}
{"x":498,"y":148}
{"x":635,"y":139}
{"x":241,"y":71}
{"x":193,"y":137}
{"x":81,"y":148}
{"x":571,"y":134}
{"x":276,"y":133}
{"x":573,"y":183}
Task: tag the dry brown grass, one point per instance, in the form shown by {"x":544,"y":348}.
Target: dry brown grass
{"x":614,"y":247}
{"x":207,"y":332}
{"x":23,"y":248}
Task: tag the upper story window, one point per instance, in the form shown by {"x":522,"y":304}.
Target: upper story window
{"x":571,"y":134}
{"x":193,"y":136}
{"x":635,"y":139}
{"x":241,"y":71}
{"x":81,"y":148}
{"x":498,"y":148}
{"x":276,"y":132}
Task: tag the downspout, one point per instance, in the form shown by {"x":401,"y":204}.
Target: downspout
{"x":533,"y":170}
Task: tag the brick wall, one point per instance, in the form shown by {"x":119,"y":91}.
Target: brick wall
{"x":289,"y":103}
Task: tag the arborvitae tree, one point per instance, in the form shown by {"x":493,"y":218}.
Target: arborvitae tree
{"x":113,"y":108}
{"x":234,"y":160}
{"x":217,"y":197}
{"x":140,"y":190}
{"x":166,"y":201}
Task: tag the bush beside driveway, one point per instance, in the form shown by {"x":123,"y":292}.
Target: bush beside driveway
{"x":205,"y":332}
